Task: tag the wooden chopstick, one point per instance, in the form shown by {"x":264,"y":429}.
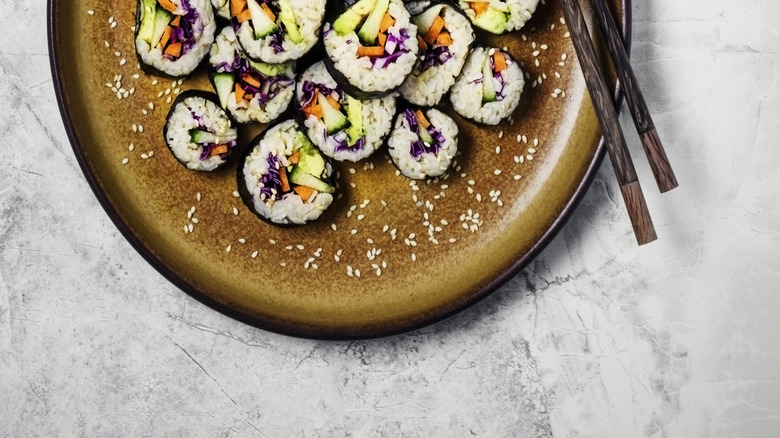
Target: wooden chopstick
{"x":610,"y":127}
{"x":659,"y":163}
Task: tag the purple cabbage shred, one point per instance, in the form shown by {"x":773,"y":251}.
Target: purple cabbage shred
{"x":417,"y":148}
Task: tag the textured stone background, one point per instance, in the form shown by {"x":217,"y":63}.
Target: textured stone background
{"x":596,"y":338}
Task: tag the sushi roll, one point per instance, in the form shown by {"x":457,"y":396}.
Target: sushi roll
{"x":283,"y":178}
{"x":221,"y":8}
{"x":250,"y":91}
{"x":371,"y":47}
{"x":198,"y":132}
{"x":277,"y":31}
{"x":342,"y":127}
{"x":499,"y":16}
{"x":173,"y":36}
{"x":423,"y":143}
{"x":445,"y":36}
{"x":489,"y":87}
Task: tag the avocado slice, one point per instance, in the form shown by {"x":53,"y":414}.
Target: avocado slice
{"x":146,"y":29}
{"x":425,"y":19}
{"x":161,"y":20}
{"x":303,"y":178}
{"x":333,"y":118}
{"x":261,"y":22}
{"x":488,"y":87}
{"x":351,"y":18}
{"x":224,"y":84}
{"x":311,"y":161}
{"x":370,"y":29}
{"x":287,"y":18}
{"x":355,"y":117}
{"x":267,"y":69}
{"x":492,"y":20}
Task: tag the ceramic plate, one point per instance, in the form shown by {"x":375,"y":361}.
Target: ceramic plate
{"x":390,"y":255}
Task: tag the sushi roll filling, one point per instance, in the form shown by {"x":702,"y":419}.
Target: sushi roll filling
{"x":326,"y":103}
{"x":268,"y":19}
{"x":168,"y":27}
{"x":255,"y":80}
{"x":429,"y":139}
{"x":434,"y":44}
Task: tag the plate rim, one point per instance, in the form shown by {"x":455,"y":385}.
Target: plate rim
{"x":303,"y":331}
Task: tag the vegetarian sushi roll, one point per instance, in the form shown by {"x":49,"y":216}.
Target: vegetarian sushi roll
{"x":342,"y":127}
{"x":371,"y":47}
{"x":423,"y":143}
{"x":283,"y":178}
{"x":444,"y":37}
{"x":250,"y":91}
{"x":499,"y":16}
{"x":199,"y":132}
{"x":276,"y":31}
{"x":489,"y":87}
{"x":173,"y":36}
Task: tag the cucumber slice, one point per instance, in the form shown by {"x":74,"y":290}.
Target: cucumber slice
{"x":224,"y":84}
{"x":146,"y":29}
{"x":351,"y":18}
{"x":287,"y":17}
{"x":161,"y":20}
{"x":425,"y":136}
{"x":311,"y":161}
{"x":370,"y":29}
{"x":355,"y":117}
{"x":333,"y":118}
{"x":303,"y":178}
{"x":488,"y":87}
{"x":261,"y":22}
{"x":202,"y":137}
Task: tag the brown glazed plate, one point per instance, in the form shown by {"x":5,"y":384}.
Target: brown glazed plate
{"x":389,"y":255}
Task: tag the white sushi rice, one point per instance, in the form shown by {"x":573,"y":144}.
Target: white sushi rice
{"x":359,"y":71}
{"x":428,"y":164}
{"x":288,"y":208}
{"x":518,"y":12}
{"x":182,"y":120}
{"x":466,"y":94}
{"x":203,"y":29}
{"x":308,"y":17}
{"x":225,"y":50}
{"x":377,"y":119}
{"x":428,"y":87}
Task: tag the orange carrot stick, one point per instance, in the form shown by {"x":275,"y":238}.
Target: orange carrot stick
{"x":239,"y":93}
{"x":251,"y":80}
{"x":499,"y":61}
{"x":333,"y":102}
{"x":236,"y":7}
{"x":173,"y":50}
{"x":371,"y":51}
{"x":421,"y":118}
{"x":218,"y":150}
{"x":167,"y":5}
{"x":166,"y":36}
{"x":176,"y":22}
{"x":479,"y":7}
{"x":268,"y":11}
{"x":434,"y":30}
{"x":304,"y":192}
{"x":295,"y":158}
{"x":444,"y":39}
{"x":421,"y":43}
{"x":243,"y":16}
{"x":387,"y":21}
{"x":283,"y":179}
{"x":382,"y":39}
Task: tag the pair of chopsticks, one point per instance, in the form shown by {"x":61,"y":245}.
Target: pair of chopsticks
{"x":608,"y":119}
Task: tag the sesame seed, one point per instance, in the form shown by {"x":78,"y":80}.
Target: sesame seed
{"x":235,"y":211}
{"x":334,"y":227}
{"x":131,"y":147}
{"x":91,"y":12}
{"x":122,"y":61}
{"x":357,"y":273}
{"x":198,"y":196}
{"x":360,"y":217}
{"x":125,"y":160}
{"x":241,"y":240}
{"x":353,"y":231}
{"x":414,"y":257}
{"x":498,"y":149}
{"x":228,"y":248}
{"x":195,"y":220}
{"x":254,"y":254}
{"x":191,"y":227}
{"x":113,"y":25}
{"x":272,"y":241}
{"x":497,"y":172}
